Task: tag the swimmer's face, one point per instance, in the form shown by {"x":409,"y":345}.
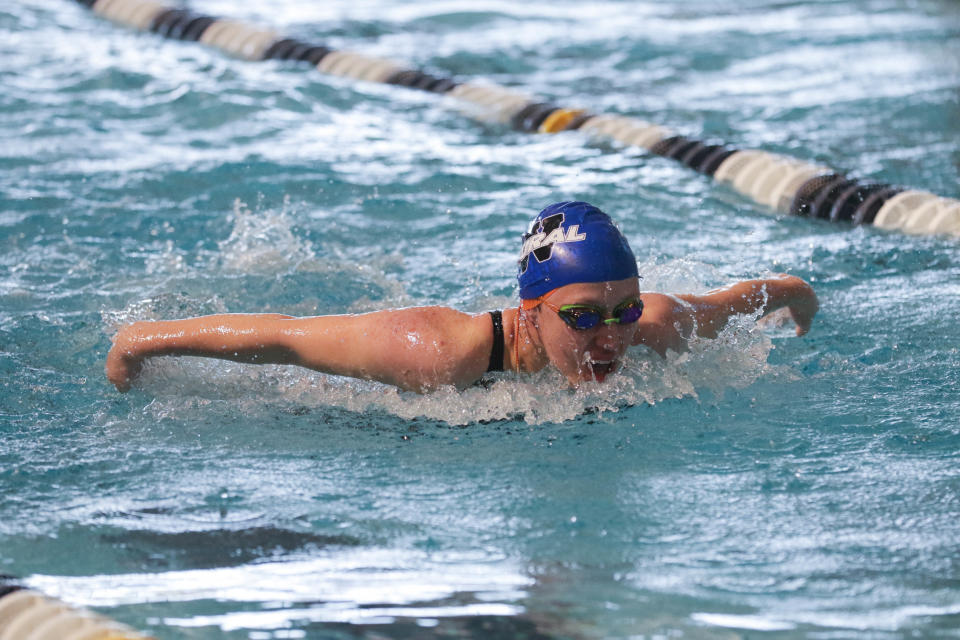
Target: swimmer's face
{"x":591,"y":354}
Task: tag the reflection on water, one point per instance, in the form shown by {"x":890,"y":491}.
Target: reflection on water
{"x":361,"y":586}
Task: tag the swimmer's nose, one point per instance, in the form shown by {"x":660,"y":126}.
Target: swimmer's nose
{"x":609,"y":339}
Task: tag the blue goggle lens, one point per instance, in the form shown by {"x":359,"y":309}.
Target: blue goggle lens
{"x":582,"y":317}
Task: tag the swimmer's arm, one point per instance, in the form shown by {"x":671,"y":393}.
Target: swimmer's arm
{"x":417,"y":349}
{"x":712,"y":310}
{"x":238,"y":337}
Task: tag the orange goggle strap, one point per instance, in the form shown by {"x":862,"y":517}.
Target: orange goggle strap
{"x":533,"y":303}
{"x":525,"y":305}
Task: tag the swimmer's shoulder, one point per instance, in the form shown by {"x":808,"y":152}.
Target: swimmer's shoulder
{"x":665,"y":307}
{"x":444,"y":325}
{"x":474,"y":336}
{"x":453,"y":344}
{"x":666,"y":324}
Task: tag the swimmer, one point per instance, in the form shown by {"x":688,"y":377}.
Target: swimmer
{"x":580,"y":309}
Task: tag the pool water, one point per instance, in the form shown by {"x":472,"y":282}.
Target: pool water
{"x":761,"y":486}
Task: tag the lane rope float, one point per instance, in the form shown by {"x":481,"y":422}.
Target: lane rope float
{"x":780,"y":183}
{"x":28,"y":615}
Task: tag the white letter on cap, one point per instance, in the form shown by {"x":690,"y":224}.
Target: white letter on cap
{"x":574,"y":235}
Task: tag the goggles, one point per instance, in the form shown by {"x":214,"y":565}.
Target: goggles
{"x":586,"y":316}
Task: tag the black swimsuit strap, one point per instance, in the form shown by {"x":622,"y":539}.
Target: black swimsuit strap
{"x":496,"y":352}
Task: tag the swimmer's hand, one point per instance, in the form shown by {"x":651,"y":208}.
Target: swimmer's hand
{"x":790,"y":297}
{"x":803,"y":306}
{"x":123,"y":361}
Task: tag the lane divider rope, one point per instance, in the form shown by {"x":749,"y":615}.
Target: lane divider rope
{"x":780,"y":183}
{"x":28,"y":615}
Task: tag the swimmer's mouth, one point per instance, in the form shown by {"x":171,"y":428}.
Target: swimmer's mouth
{"x":600,"y":369}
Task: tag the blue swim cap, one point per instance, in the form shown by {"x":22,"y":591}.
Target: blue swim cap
{"x":571,"y":242}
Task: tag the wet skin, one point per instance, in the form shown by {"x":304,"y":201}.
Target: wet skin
{"x":424,"y":348}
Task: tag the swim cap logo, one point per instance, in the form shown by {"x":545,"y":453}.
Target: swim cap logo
{"x":540,"y":239}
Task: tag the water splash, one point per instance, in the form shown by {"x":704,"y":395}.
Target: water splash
{"x":263,"y":241}
{"x":160,"y":307}
{"x":734,"y":360}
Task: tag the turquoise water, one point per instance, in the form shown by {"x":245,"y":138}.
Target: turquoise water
{"x":762,"y":486}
